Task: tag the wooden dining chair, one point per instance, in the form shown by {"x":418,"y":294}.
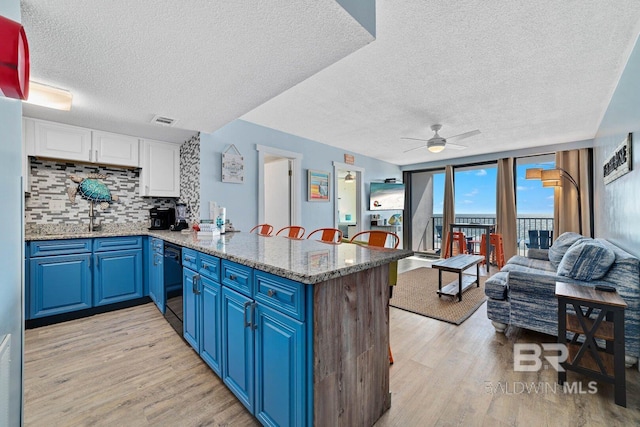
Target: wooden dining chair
{"x":327,"y":235}
{"x":263,"y":229}
{"x":377,"y":238}
{"x":293,"y":231}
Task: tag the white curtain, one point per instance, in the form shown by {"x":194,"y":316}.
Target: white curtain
{"x":506,"y":222}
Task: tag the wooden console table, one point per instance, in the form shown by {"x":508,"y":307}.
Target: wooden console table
{"x":603,"y":365}
{"x":458,"y":264}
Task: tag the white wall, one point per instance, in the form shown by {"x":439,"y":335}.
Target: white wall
{"x":11,"y":245}
{"x":241,"y":200}
{"x":277,"y":207}
{"x":617,"y":205}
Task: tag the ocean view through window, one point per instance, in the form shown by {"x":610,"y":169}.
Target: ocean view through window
{"x":475,"y":200}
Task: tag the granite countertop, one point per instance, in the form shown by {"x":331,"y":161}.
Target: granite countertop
{"x":306,"y":261}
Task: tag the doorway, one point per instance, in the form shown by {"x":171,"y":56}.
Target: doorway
{"x":277,"y":181}
{"x":279,"y":201}
{"x":348,"y":184}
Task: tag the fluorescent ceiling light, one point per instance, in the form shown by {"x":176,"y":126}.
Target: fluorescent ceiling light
{"x":49,"y":96}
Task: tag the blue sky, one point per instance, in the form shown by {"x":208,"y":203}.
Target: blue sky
{"x":476,"y":192}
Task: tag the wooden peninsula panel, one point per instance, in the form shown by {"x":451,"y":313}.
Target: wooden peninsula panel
{"x":351,"y":348}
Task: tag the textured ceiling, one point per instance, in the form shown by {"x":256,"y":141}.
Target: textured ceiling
{"x":202,"y":63}
{"x":525,"y":73}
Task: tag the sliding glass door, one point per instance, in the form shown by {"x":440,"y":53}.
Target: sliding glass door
{"x":534,"y":202}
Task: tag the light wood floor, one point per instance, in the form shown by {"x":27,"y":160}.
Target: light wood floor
{"x":129,"y":368}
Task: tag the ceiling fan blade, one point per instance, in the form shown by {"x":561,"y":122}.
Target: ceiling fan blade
{"x":414,"y":139}
{"x":455,"y":146}
{"x":464,"y":135}
{"x":415,"y":148}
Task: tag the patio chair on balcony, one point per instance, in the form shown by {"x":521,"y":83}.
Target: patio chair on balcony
{"x":539,"y":239}
{"x":545,"y":238}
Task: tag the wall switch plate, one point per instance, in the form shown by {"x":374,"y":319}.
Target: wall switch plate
{"x":56,"y":205}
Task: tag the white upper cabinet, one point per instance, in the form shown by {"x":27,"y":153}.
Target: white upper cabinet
{"x":160,"y":173}
{"x":60,"y":141}
{"x":115,"y":149}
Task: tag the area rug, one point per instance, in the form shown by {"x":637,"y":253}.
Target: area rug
{"x":416,"y":292}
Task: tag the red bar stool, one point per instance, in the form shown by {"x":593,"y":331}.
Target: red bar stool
{"x":327,"y":235}
{"x":459,"y":243}
{"x":263,"y":229}
{"x":293,"y":232}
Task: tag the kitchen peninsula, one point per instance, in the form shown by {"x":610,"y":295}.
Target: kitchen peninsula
{"x":314,"y":318}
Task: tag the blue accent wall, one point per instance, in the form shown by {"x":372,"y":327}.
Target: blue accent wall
{"x":241,"y":200}
{"x":617,"y":205}
{"x":11,"y":247}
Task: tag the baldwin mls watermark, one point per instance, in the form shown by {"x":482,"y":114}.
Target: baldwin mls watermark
{"x":530,"y":357}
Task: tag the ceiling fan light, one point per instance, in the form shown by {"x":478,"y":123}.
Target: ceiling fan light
{"x":436,"y":146}
{"x":349,"y":177}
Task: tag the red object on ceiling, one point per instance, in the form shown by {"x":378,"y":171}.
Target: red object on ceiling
{"x":14,"y":60}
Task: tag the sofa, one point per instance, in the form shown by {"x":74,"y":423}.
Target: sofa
{"x":522,"y":293}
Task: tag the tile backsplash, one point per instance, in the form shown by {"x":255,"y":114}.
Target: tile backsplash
{"x":190,"y":177}
{"x":49,"y":204}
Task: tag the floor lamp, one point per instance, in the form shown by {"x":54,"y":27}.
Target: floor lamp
{"x":553,"y":178}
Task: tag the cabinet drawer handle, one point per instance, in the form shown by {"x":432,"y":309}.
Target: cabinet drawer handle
{"x":244,"y":314}
{"x":232,"y":277}
{"x":205,"y":266}
{"x":186,"y":258}
{"x":271,"y":292}
{"x":196,"y":289}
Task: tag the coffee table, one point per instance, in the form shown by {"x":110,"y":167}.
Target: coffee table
{"x":458,"y":264}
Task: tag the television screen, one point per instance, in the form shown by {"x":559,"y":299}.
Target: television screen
{"x":385,"y":196}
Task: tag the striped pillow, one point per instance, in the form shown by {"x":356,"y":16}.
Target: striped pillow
{"x":586,"y":260}
{"x":561,"y":245}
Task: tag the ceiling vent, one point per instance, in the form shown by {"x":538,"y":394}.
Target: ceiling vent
{"x":163,"y":121}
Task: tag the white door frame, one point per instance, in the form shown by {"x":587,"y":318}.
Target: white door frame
{"x":296,"y":181}
{"x":359,"y":171}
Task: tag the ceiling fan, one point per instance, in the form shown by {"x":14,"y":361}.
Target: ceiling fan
{"x":437,"y":143}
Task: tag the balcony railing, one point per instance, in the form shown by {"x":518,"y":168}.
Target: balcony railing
{"x":524,"y":224}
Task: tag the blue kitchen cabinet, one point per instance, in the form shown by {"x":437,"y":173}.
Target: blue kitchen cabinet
{"x":211,"y":341}
{"x":117,"y":276}
{"x":280,"y":368}
{"x":191,"y":308}
{"x":201,"y":306}
{"x":155,"y":269}
{"x":59,"y":284}
{"x":117,"y":269}
{"x":238,"y":363}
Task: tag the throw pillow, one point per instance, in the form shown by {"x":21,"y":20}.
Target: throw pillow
{"x":561,"y":245}
{"x":586,"y":260}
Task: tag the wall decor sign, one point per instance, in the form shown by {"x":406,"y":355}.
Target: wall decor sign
{"x":232,"y":166}
{"x":318,"y":183}
{"x":349,"y":159}
{"x":619,"y":163}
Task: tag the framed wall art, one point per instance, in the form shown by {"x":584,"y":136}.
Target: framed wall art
{"x":232,"y":165}
{"x":318,"y":186}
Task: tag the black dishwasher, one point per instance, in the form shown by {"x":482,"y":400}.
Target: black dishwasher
{"x":173,"y":286}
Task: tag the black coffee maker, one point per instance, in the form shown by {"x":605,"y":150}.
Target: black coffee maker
{"x":162,"y":218}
